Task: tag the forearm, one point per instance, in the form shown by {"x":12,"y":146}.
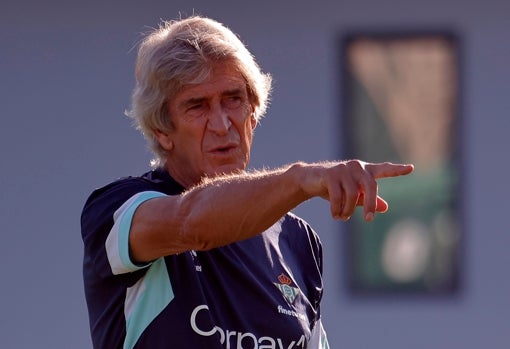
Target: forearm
{"x":215,"y":213}
{"x":237,"y":207}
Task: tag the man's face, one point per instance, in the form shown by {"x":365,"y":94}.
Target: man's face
{"x":213,"y":127}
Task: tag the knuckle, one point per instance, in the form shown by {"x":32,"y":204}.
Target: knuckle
{"x":355,"y":165}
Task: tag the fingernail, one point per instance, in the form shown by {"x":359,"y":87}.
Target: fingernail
{"x":369,"y":217}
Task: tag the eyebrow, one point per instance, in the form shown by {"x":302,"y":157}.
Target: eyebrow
{"x":233,"y":92}
{"x":196,"y":100}
{"x":191,"y":101}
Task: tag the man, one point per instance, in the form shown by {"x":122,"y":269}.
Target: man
{"x":199,"y":253}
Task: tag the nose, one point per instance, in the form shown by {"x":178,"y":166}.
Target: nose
{"x":219,"y":121}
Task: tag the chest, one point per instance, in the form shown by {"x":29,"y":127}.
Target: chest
{"x":259,"y":290}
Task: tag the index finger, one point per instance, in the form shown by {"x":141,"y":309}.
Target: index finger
{"x":388,"y":169}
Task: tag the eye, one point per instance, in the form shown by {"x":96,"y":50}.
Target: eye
{"x":196,"y":106}
{"x":196,"y":109}
{"x":233,"y":102}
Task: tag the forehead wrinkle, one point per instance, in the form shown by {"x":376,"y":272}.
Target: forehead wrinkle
{"x":200,"y":98}
{"x":221,"y":81}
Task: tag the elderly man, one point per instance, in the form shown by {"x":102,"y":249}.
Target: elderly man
{"x":199,"y":252}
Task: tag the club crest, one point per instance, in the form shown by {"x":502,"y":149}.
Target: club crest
{"x":288,"y":291}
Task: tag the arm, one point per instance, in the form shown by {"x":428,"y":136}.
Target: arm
{"x":235,"y":207}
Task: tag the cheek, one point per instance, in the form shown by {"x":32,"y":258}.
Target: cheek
{"x":192,"y":135}
{"x":248,"y":134}
{"x":249,"y":126}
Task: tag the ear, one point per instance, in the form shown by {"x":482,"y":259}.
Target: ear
{"x":254,"y":122}
{"x":164,"y":140}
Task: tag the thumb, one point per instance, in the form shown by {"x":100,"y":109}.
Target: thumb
{"x":381,"y":205}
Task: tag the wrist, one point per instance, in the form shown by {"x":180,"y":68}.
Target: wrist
{"x":299,"y":174}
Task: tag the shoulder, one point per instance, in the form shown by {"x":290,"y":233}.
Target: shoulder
{"x":295,"y":219}
{"x":120,"y":190}
{"x":294,"y":222}
{"x":299,"y":231}
{"x":104,"y":201}
{"x":307,"y":237}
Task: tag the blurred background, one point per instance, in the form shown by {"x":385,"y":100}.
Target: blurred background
{"x":65,"y":81}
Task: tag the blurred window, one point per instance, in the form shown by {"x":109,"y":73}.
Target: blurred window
{"x":401,"y":104}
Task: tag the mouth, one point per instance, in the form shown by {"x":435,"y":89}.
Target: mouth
{"x":223,"y":149}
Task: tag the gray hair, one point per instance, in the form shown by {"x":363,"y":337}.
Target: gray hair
{"x":181,"y":52}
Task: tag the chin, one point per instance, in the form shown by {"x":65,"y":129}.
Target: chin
{"x":228,"y":169}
